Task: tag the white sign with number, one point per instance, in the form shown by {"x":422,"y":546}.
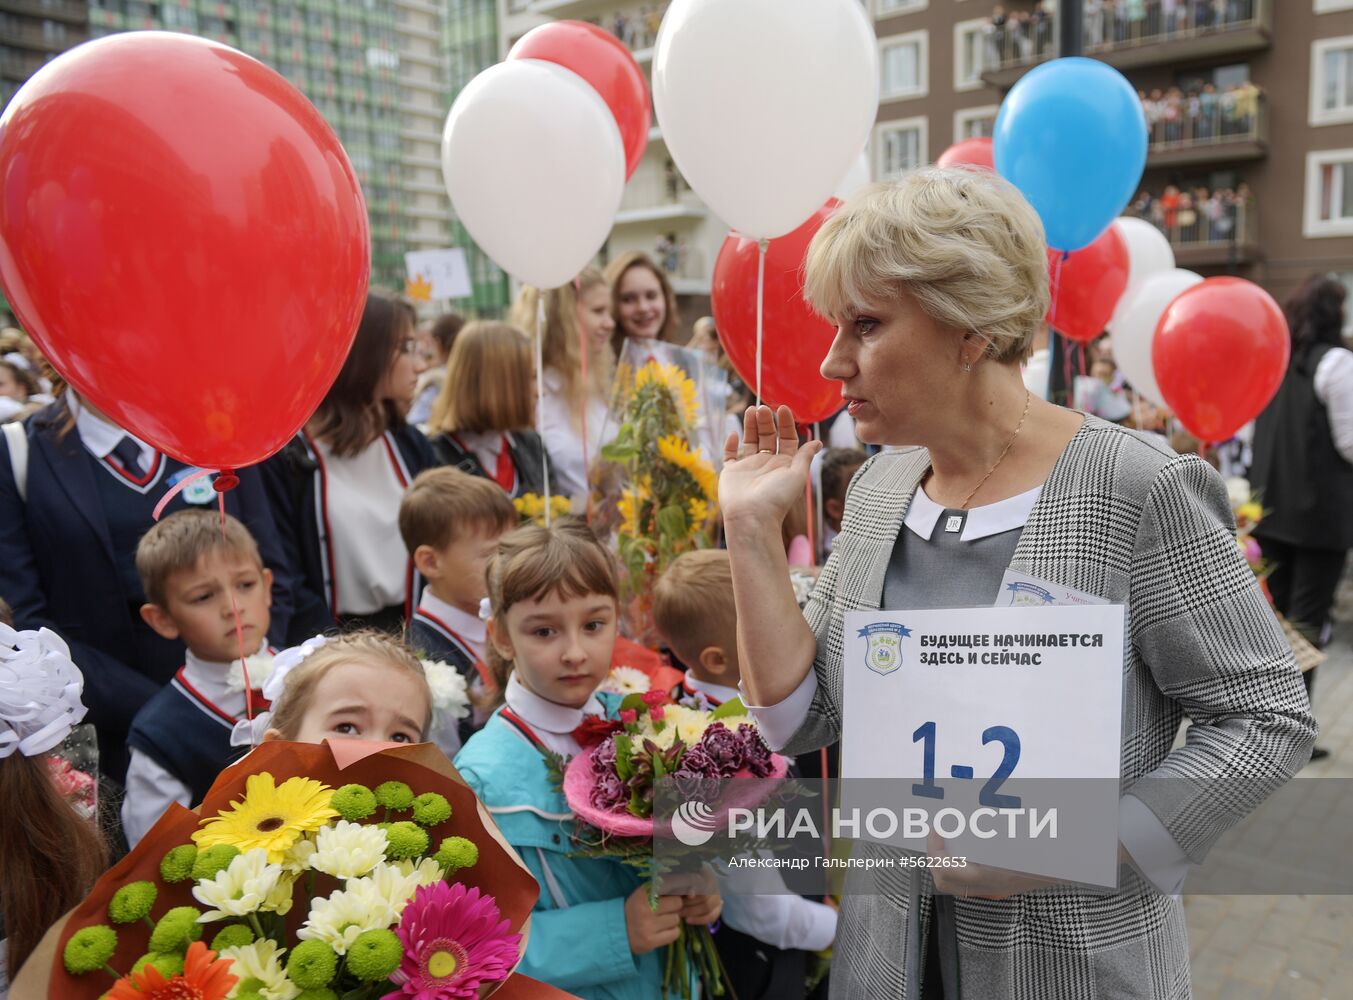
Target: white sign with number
{"x":1005,"y":719}
{"x":445,"y":270}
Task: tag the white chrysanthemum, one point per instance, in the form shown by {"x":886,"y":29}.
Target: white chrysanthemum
{"x":450,"y":696}
{"x":427,"y":871}
{"x":625,"y":680}
{"x":348,"y":850}
{"x":391,"y":884}
{"x":347,"y":913}
{"x":260,"y":668}
{"x":297,"y":858}
{"x":262,"y":962}
{"x":279,"y":901}
{"x":1238,"y":491}
{"x":250,"y":884}
{"x":690,"y":724}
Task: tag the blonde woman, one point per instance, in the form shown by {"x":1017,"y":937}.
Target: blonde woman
{"x":570,"y":400}
{"x":482,"y":419}
{"x":938,"y":285}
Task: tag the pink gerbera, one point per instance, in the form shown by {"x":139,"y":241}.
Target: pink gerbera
{"x":454,"y":941}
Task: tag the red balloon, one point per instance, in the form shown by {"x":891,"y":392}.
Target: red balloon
{"x":1220,"y":352}
{"x":183,"y":236}
{"x":603,"y":61}
{"x":973,"y":151}
{"x":794,"y":340}
{"x":1086,"y":286}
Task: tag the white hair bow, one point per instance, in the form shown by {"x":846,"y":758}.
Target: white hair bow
{"x":248,"y":732}
{"x":39,"y":691}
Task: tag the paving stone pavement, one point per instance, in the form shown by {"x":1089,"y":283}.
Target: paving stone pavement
{"x":1288,"y":947}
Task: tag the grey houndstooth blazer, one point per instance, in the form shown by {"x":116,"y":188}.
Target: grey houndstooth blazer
{"x":1123,"y":517}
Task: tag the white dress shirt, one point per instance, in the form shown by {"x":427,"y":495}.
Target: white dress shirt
{"x":709,"y":694}
{"x":553,"y":724}
{"x":1157,"y":855}
{"x":563,"y":439}
{"x":150,"y":788}
{"x":471,"y":628}
{"x":100,"y":437}
{"x":757,"y":902}
{"x":362,"y":493}
{"x":1334,"y":388}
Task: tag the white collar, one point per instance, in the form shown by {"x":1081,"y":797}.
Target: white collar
{"x":490,"y":442}
{"x":468,"y":627}
{"x":989,"y":519}
{"x":717,"y":693}
{"x":98,"y":435}
{"x":211,"y":679}
{"x":544,"y":715}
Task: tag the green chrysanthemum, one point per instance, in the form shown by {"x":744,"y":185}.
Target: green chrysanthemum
{"x":374,"y":955}
{"x":213,"y":860}
{"x":456,"y":853}
{"x":354,"y":802}
{"x":177,"y":865}
{"x":233,"y":936}
{"x":394,"y":795}
{"x":312,"y":965}
{"x":406,"y":841}
{"x":89,"y":948}
{"x":176,"y":930}
{"x":168,"y":965}
{"x":430,"y":809}
{"x":132,"y":902}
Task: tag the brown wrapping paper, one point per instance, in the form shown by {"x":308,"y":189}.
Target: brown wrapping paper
{"x":499,"y":871}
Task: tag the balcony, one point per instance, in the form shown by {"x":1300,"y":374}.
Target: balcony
{"x":1154,"y":39}
{"x":1207,"y":235}
{"x":50,"y":37}
{"x":71,"y":11}
{"x":16,"y":67}
{"x":1234,"y":127}
{"x":654,"y":195}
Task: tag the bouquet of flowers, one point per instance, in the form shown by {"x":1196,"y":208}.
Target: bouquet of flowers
{"x":531,"y":507}
{"x":667,"y":503}
{"x":313,"y":872}
{"x":610,"y":787}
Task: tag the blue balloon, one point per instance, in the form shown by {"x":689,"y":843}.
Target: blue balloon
{"x":1071,"y":135}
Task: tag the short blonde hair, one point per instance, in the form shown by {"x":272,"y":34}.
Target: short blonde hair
{"x":962,"y":241}
{"x":487,"y":386}
{"x":442,"y":504}
{"x":180,"y":540}
{"x":298,"y":691}
{"x":693,"y":605}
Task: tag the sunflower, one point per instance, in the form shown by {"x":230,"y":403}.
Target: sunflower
{"x":271,"y":817}
{"x":680,"y":388}
{"x":674,"y":450}
{"x":699,"y":513}
{"x":204,"y":977}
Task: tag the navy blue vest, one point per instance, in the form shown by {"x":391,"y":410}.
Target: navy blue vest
{"x":186,"y":736}
{"x":432,"y":640}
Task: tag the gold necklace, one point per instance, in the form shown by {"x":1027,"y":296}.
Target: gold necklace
{"x":1020,"y":426}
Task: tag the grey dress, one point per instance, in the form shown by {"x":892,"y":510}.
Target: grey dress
{"x":1120,"y":516}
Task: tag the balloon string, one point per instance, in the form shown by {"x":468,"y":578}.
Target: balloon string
{"x":761,"y":247}
{"x":178,"y":488}
{"x":1057,"y":287}
{"x":582,"y":354}
{"x":239,"y":627}
{"x":813,"y":534}
{"x":540,"y":396}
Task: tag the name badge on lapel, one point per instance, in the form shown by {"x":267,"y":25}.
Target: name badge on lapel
{"x":198,"y":492}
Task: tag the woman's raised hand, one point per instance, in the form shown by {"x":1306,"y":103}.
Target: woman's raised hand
{"x":767,"y":472}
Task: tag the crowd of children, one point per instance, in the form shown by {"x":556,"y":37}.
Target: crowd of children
{"x":310,"y":610}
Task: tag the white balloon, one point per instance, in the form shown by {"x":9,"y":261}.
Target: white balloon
{"x":1148,"y":253}
{"x":856,"y":178}
{"x":1136,"y":327}
{"x":764,"y":104}
{"x":534,"y":164}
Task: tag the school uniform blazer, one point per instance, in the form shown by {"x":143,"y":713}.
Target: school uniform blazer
{"x":525,"y":448}
{"x":292,"y":481}
{"x":1124,"y":518}
{"x":57,"y":568}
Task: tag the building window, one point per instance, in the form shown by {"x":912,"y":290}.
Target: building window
{"x":1329,"y":193}
{"x":1332,"y":80}
{"x":900,"y":146}
{"x":892,"y":8}
{"x":1325,"y":6}
{"x":975,"y":123}
{"x":970,"y":51}
{"x":904,"y":66}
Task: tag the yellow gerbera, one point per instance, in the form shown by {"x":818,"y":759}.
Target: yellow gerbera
{"x":270,"y":817}
{"x":674,"y":450}
{"x":678,"y":386}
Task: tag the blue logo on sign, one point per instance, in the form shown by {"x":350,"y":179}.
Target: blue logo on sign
{"x":1027,"y":595}
{"x":884,"y":654}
